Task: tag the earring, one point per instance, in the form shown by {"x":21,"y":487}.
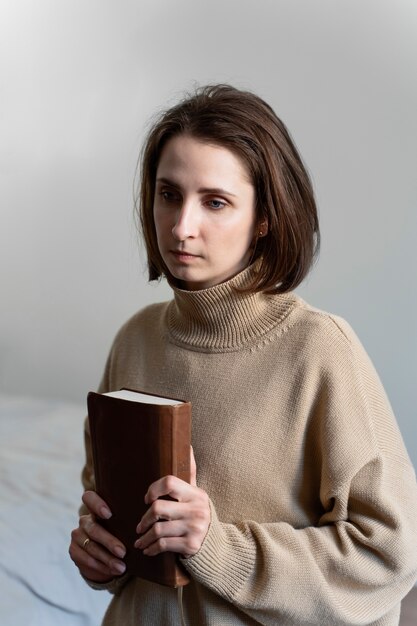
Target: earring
{"x":262,"y":232}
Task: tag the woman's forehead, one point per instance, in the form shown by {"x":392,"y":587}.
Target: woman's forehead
{"x":185,"y":157}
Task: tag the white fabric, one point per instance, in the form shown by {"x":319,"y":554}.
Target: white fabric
{"x":41,"y":455}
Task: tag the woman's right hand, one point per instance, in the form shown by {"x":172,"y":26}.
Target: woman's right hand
{"x":96,"y":552}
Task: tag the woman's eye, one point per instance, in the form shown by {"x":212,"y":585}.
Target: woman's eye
{"x":169,"y":196}
{"x":216,"y":204}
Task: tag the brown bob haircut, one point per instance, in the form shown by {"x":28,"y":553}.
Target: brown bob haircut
{"x":243,"y":123}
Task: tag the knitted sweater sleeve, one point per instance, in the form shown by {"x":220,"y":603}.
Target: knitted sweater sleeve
{"x":356,"y":563}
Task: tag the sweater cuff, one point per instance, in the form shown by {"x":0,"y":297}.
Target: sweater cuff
{"x":112,"y":586}
{"x":225,"y":560}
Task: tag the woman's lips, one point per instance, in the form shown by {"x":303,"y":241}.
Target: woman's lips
{"x":183,"y":255}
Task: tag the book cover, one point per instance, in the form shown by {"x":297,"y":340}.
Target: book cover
{"x":138,"y":438}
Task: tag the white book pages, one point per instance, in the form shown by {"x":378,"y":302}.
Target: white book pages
{"x":135,"y":396}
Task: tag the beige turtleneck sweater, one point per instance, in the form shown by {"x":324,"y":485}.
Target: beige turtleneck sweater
{"x":313,"y":497}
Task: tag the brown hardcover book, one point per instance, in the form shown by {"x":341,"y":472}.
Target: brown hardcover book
{"x":136,"y":439}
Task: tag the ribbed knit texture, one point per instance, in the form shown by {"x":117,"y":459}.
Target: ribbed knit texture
{"x":218,"y":320}
{"x":313,"y":497}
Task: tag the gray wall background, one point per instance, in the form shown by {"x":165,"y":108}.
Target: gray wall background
{"x":80,"y":79}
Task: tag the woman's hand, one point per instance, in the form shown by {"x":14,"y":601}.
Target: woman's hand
{"x":96,"y":552}
{"x":178,"y":525}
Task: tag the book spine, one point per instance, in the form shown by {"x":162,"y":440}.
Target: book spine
{"x":181,"y":439}
{"x":175,"y":437}
{"x":174,"y":442}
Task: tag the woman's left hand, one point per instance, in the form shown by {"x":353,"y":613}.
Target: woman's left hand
{"x":178,"y":525}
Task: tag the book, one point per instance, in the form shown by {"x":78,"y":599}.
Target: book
{"x":136,"y":439}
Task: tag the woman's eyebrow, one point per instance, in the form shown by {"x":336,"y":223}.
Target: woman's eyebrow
{"x":216,"y":191}
{"x":213,"y":190}
{"x":167,"y":181}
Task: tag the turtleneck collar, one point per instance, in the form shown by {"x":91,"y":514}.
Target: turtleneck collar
{"x":221,"y":319}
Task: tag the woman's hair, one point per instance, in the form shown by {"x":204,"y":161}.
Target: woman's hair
{"x":243,"y":123}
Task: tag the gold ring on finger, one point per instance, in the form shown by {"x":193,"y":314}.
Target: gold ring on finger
{"x":86,"y":542}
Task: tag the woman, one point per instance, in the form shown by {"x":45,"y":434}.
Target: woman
{"x":305,"y":507}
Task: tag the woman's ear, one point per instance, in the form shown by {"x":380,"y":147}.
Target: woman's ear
{"x":263,"y":227}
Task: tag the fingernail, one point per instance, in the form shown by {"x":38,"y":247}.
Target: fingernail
{"x":105,"y":512}
{"x":138,"y":543}
{"x":119,"y":551}
{"x":119,"y":567}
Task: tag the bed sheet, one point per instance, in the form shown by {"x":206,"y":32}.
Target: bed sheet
{"x":41,"y":456}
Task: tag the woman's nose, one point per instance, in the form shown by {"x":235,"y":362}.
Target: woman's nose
{"x":186,"y":223}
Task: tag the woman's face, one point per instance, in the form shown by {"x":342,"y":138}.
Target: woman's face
{"x":204,"y":212}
